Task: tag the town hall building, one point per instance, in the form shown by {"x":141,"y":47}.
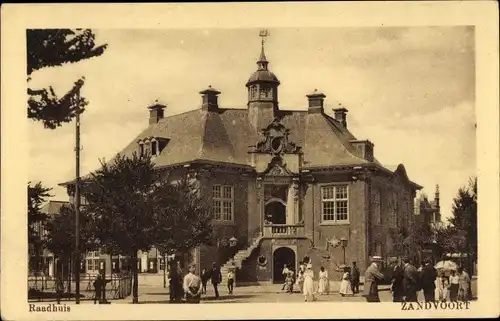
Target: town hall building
{"x":284,"y":184}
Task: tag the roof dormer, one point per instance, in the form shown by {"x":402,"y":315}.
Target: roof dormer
{"x":152,"y":145}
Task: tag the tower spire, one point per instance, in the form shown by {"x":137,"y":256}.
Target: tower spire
{"x":262,"y":63}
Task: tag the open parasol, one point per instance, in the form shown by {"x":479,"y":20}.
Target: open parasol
{"x":446,"y":265}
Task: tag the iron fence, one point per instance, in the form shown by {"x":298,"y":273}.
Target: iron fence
{"x":44,"y":288}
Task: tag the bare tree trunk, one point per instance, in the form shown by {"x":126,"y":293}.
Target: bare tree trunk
{"x":164,"y":269}
{"x":135,"y":286}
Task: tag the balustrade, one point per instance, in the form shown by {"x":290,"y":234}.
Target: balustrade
{"x":283,"y":230}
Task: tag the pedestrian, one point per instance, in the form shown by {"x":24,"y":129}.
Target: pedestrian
{"x":345,"y":284}
{"x":216,"y":278}
{"x":191,"y":285}
{"x":397,"y":282}
{"x":285,"y":274}
{"x":308,"y":289}
{"x":323,"y":286}
{"x":463,"y":285}
{"x":373,"y":276}
{"x":454,"y":285}
{"x":289,"y":282}
{"x":355,"y":278}
{"x":439,"y":292}
{"x":410,"y":281}
{"x":98,"y":287}
{"x":173,"y":284}
{"x":230,"y":281}
{"x":204,"y":279}
{"x":428,"y":281}
{"x":300,"y":276}
{"x":180,"y":281}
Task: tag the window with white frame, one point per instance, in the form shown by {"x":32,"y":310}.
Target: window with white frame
{"x":92,"y":261}
{"x":334,"y":203}
{"x":223,"y":202}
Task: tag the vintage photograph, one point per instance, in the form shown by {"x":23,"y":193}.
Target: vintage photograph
{"x":249,"y":161}
{"x":253,"y":165}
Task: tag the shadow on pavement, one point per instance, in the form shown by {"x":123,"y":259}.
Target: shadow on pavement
{"x":210,"y":299}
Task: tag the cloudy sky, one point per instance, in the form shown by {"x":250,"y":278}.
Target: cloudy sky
{"x":411,"y":91}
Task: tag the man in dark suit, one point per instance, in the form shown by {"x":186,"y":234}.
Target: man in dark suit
{"x":372,"y":278}
{"x":427,"y":281}
{"x":397,"y":282}
{"x":216,"y":278}
{"x":410,"y":281}
{"x":355,"y":278}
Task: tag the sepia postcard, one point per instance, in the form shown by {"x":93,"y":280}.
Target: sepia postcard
{"x":250,"y":160}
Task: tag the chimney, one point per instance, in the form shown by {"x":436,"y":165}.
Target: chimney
{"x":209,"y":99}
{"x":156,"y":112}
{"x":316,"y":100}
{"x":341,"y":115}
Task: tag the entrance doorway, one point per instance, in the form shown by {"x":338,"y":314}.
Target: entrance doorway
{"x":282,"y":256}
{"x":275,"y":212}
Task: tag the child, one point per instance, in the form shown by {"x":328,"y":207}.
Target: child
{"x":300,"y":277}
{"x":230,"y":281}
{"x":345,"y":284}
{"x":289,"y":282}
{"x":204,"y":280}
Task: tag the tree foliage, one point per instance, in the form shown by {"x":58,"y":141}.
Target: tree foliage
{"x":183,"y":218}
{"x":51,"y":48}
{"x":61,"y":232}
{"x":37,"y":195}
{"x":460,"y":236}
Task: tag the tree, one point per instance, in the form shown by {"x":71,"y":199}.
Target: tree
{"x":183,"y":218}
{"x":464,"y":221}
{"x":37,"y":195}
{"x":121,"y":199}
{"x":61,"y":234}
{"x":52,"y":48}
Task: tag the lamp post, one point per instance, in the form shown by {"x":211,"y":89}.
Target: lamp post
{"x":343,"y":243}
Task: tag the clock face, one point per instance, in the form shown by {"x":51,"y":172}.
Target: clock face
{"x":277,"y":144}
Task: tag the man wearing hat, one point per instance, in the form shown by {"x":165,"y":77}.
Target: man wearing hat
{"x":354,"y":278}
{"x":397,"y":281}
{"x":428,"y":280}
{"x":410,"y":281}
{"x":372,"y":277}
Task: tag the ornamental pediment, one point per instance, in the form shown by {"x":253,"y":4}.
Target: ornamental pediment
{"x":277,"y":167}
{"x":276,"y":140}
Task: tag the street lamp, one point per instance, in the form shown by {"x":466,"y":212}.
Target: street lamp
{"x":343,"y":243}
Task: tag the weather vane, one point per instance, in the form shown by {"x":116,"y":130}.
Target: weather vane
{"x":264,"y":33}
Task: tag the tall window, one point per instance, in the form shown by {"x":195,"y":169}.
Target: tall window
{"x":223,"y":202}
{"x":334,"y":203}
{"x":92,"y":261}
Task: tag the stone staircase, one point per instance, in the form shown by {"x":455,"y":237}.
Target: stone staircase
{"x":240,"y":256}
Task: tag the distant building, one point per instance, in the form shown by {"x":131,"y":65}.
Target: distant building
{"x":428,"y":211}
{"x":41,"y":259}
{"x":285,"y":184}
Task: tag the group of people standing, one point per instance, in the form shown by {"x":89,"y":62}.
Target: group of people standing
{"x":305,"y":280}
{"x":191,"y":286}
{"x":436,"y":285}
{"x":407,"y":281}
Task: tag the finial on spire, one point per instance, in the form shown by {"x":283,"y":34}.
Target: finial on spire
{"x":263,"y":34}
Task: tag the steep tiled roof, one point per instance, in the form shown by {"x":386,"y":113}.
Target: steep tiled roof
{"x":225,"y":136}
{"x":52,"y":207}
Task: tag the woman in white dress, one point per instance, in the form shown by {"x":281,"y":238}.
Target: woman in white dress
{"x":323,"y":281}
{"x":345,"y":284}
{"x":309,"y":283}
